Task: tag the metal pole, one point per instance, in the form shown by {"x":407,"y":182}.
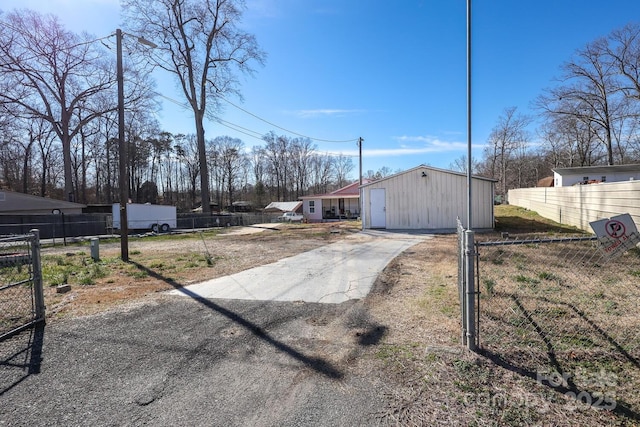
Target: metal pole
{"x":122,"y":150}
{"x":38,"y":292}
{"x":361,"y":193}
{"x":469,"y":158}
{"x":470,"y":289}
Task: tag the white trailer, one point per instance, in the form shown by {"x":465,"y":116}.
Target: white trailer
{"x":146,"y":217}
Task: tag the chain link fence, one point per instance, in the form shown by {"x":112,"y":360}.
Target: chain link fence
{"x":564,"y":312}
{"x":21,"y":293}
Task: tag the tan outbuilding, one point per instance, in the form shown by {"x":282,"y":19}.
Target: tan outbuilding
{"x":427,"y":198}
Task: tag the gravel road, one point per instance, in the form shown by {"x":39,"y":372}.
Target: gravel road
{"x":178,"y":361}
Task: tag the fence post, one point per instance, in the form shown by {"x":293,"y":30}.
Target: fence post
{"x":38,"y":292}
{"x":470,"y":293}
{"x":461,"y":285}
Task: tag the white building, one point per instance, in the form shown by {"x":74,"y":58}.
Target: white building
{"x":343,"y":203}
{"x":566,"y":177}
{"x":426,"y":198}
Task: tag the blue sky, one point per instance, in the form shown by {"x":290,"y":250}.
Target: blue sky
{"x":393,"y":73}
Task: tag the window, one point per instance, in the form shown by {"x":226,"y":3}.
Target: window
{"x":312,"y":206}
{"x":585,"y":178}
{"x":604,"y":179}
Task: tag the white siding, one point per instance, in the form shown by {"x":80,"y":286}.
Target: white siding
{"x":432,"y":202}
{"x":568,"y":180}
{"x":578,"y":205}
{"x":306,"y":209}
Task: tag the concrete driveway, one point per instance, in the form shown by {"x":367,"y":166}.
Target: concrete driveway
{"x":334,"y":273}
{"x":174,"y":361}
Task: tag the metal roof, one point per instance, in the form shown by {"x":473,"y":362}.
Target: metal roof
{"x":423,"y":167}
{"x":597,"y":169}
{"x":283,"y":206}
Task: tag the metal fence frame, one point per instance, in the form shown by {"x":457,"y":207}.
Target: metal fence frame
{"x":32,"y":285}
{"x":466,"y":287}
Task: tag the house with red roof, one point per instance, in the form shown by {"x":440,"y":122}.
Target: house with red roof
{"x":343,"y":203}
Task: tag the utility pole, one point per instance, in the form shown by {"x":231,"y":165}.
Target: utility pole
{"x":122,"y":152}
{"x":122,"y":147}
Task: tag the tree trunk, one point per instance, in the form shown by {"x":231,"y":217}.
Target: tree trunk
{"x":204,"y":171}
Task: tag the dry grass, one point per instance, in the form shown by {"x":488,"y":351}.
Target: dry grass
{"x":160,"y":263}
{"x":431,"y":380}
{"x":427,"y":376}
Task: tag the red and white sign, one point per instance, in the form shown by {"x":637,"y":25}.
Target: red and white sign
{"x":617,"y":234}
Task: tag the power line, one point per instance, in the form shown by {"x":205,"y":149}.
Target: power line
{"x":224,"y":123}
{"x":284,"y":129}
{"x":159,"y":58}
{"x":249,"y":132}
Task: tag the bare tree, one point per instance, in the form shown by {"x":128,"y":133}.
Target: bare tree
{"x":202,"y":45}
{"x":233,"y":163}
{"x":461,"y":165}
{"x":591,"y":93}
{"x":277,"y":154}
{"x":508,"y":134}
{"x":186,"y":149}
{"x":52,"y":74}
{"x":300,"y":156}
{"x":343,"y":166}
{"x":321,"y":172}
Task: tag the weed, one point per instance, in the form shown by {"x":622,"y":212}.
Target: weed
{"x":393,"y":352}
{"x":86,"y":280}
{"x":138,"y":274}
{"x":543,"y":275}
{"x":489,"y":285}
{"x":611,"y":307}
{"x":528,"y":280}
{"x":135,"y":252}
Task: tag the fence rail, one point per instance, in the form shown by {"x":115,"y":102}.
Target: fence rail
{"x":21,"y":293}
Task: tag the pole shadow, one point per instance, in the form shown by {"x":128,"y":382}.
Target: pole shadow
{"x":568,"y":386}
{"x":317,"y":364}
{"x":24,"y":361}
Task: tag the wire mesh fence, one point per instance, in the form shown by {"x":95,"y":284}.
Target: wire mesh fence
{"x":21,"y":298}
{"x":565,"y":312}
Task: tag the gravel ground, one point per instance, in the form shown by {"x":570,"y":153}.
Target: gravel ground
{"x":177,"y":361}
{"x":167,"y":361}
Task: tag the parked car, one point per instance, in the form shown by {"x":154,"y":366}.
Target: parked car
{"x":291,"y":217}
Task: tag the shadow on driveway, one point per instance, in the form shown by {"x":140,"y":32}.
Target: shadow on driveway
{"x":317,"y":364}
{"x":22,"y":360}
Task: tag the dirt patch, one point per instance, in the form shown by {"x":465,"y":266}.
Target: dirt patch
{"x":429,"y":378}
{"x":405,"y":335}
{"x":160,"y":263}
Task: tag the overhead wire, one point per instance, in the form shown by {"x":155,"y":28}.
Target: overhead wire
{"x":233,"y":126}
{"x":249,"y":132}
{"x":281,"y":128}
{"x":160,"y":59}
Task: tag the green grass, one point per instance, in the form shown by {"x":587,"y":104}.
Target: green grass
{"x":516,"y":219}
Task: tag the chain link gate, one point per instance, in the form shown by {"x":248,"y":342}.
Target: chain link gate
{"x":565,"y":313}
{"x":21,"y":292}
